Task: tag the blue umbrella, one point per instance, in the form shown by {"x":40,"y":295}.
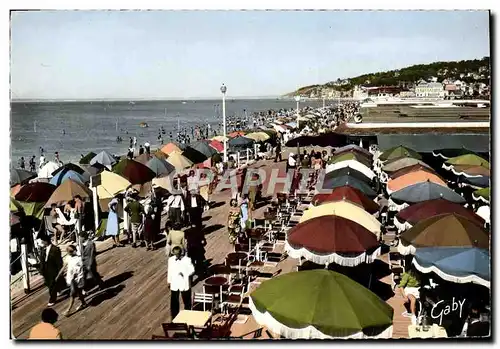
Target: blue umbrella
{"x":62,"y":176}
{"x":103,"y":158}
{"x":424,"y":191}
{"x":476,"y":182}
{"x":455,"y":264}
{"x":241,"y":142}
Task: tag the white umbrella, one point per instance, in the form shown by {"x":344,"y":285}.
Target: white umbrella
{"x":47,"y":169}
{"x":358,"y":166}
{"x":484,"y":213}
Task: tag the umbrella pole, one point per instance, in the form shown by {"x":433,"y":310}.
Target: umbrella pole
{"x":24,"y":265}
{"x":95,"y":203}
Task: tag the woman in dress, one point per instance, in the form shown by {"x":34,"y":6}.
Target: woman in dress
{"x":233,"y":218}
{"x":112,"y":227}
{"x":149,"y":224}
{"x":244,"y":212}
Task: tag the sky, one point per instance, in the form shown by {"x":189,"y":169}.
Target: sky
{"x":189,"y":54}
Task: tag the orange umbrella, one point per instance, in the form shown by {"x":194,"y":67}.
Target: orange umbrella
{"x":413,"y":178}
{"x":236,"y":134}
{"x":219,"y":146}
{"x":170,"y":147}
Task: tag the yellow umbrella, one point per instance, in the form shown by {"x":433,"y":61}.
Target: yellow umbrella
{"x":220,"y":138}
{"x":258,"y":136}
{"x":179,"y":161}
{"x":344,"y":209}
{"x":111,"y":184}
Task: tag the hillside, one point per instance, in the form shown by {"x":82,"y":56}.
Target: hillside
{"x":469,"y":71}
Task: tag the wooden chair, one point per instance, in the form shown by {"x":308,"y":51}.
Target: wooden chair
{"x":255,"y":334}
{"x":203,"y":298}
{"x":179,"y":330}
{"x":219,"y":331}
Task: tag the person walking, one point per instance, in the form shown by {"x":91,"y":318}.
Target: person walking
{"x":136,"y":211}
{"x":278,"y":151}
{"x":74,"y":279}
{"x":33,"y":164}
{"x":89,"y":261}
{"x":149,"y":227}
{"x":21,"y":163}
{"x":180,"y":269}
{"x":112,"y":226}
{"x":175,"y":238}
{"x":233,"y":221}
{"x":51,"y":264}
{"x":46,"y":329}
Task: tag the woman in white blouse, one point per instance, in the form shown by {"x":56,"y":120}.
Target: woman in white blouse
{"x":74,"y":278}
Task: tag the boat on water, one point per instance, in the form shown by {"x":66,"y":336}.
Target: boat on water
{"x":184,"y":102}
{"x":143,"y":124}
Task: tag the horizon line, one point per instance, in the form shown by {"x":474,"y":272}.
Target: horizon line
{"x":137,"y":99}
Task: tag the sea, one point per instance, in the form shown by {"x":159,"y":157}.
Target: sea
{"x":76,"y":128}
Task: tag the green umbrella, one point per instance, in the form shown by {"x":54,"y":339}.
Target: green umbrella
{"x":482,"y":195}
{"x":351,"y":156}
{"x":399,"y":152}
{"x":469,"y":159}
{"x":86,"y":159}
{"x":320,"y":304}
{"x":34,"y":209}
{"x":15,"y":206}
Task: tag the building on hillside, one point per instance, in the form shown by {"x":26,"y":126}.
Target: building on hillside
{"x":451,"y":91}
{"x":429,"y":90}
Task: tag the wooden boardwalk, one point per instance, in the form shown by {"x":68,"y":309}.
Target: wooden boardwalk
{"x":137,"y":300}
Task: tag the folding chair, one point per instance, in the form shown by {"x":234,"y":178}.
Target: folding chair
{"x":179,"y":330}
{"x":203,"y":298}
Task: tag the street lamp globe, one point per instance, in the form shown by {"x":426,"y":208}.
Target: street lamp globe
{"x":297,"y":98}
{"x":223,"y":88}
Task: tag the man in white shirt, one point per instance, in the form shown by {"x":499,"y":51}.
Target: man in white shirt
{"x":180,"y":269}
{"x":192,"y":182}
{"x":175,"y":208}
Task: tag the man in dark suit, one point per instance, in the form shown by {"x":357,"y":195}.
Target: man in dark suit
{"x":92,"y":277}
{"x":50,"y":265}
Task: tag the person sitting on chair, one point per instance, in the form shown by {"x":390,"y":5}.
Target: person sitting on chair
{"x":409,"y":289}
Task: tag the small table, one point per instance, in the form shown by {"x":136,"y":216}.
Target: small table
{"x":193,"y":318}
{"x":216,"y":281}
{"x":434,"y":331}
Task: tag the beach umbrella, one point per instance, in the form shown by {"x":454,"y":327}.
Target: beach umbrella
{"x":85,"y":160}
{"x":220,"y":138}
{"x":344,"y":209}
{"x":349,"y":194}
{"x":219,"y":146}
{"x":482,"y":195}
{"x":409,"y":169}
{"x":352,"y":147}
{"x":419,"y":176}
{"x":292,"y":124}
{"x":413,"y":214}
{"x":179,"y":161}
{"x":33,"y":209}
{"x":332,"y":183}
{"x":35,"y":192}
{"x":424,"y":191}
{"x":399,"y":152}
{"x":47,"y":170}
{"x":448,"y":229}
{"x":258,"y":136}
{"x":160,"y":167}
{"x":69,"y":167}
{"x":484,"y":213}
{"x":241,"y":142}
{"x":353,"y":164}
{"x":351,"y":156}
{"x":160,"y":155}
{"x":332,"y":239}
{"x":143,"y":158}
{"x":236,"y":134}
{"x":93,"y":170}
{"x":347,"y":171}
{"x":466,"y":160}
{"x":65,"y":175}
{"x":204,"y":148}
{"x":280,"y":128}
{"x":164,"y":182}
{"x":111,"y":185}
{"x":20,"y":176}
{"x":15,"y":189}
{"x":171,"y":147}
{"x":399,"y":164}
{"x":451,"y":153}
{"x":475,"y":182}
{"x":455,"y":264}
{"x":470,"y":171}
{"x":320,"y":304}
{"x":133,"y":171}
{"x":15,"y":206}
{"x":67,"y":191}
{"x":104,"y":158}
{"x":194,"y":155}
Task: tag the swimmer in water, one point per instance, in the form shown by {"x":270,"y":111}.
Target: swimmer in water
{"x":64,"y":131}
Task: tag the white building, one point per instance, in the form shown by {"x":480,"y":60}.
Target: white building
{"x":429,"y":90}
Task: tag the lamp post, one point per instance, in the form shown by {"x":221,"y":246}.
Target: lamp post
{"x":223,"y":89}
{"x":297,"y":99}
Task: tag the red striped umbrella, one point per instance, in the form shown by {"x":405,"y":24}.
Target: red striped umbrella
{"x":332,"y":239}
{"x":348,"y":193}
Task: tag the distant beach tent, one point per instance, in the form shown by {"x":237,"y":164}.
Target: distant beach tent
{"x":179,"y":161}
{"x":104,"y":158}
{"x":64,"y":175}
{"x":160,"y":167}
{"x":67,"y":191}
{"x":20,"y":176}
{"x":111,"y":185}
{"x":47,"y":170}
{"x":171,"y":147}
{"x":86,"y":159}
